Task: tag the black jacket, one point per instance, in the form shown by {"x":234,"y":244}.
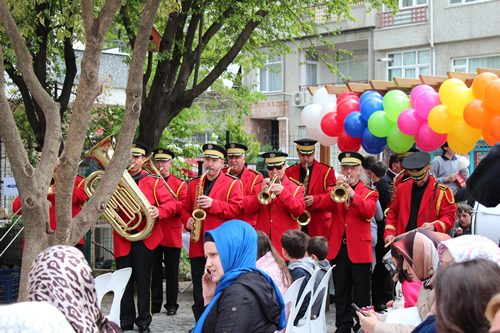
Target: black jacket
{"x":247,"y":305}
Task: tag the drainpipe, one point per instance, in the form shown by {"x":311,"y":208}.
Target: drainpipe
{"x":286,"y":130}
{"x":431,"y":41}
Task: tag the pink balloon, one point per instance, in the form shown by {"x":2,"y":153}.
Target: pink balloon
{"x":428,"y":139}
{"x":417,"y":91}
{"x":425,"y":101}
{"x":409,"y":122}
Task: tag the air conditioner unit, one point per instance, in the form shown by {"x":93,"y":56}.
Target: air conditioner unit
{"x":302,"y":98}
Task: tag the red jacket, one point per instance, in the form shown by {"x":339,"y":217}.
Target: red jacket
{"x":226,"y":205}
{"x":157,"y":195}
{"x":171,"y":227}
{"x":274,"y":219}
{"x":355,"y":222}
{"x":322,"y":176}
{"x":78,"y":201}
{"x":443,"y":208}
{"x":248,"y":178}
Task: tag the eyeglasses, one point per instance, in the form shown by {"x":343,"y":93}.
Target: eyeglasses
{"x":277,"y":167}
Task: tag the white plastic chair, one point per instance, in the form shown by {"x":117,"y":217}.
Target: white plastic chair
{"x":318,"y":324}
{"x":115,"y":282}
{"x":304,"y":323}
{"x":290,"y":297}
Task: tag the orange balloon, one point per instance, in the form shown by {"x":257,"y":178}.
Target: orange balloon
{"x":480,"y":83}
{"x":494,"y":126}
{"x":492,"y":94}
{"x":457,"y":146}
{"x":487,"y":136}
{"x":477,"y":114}
{"x":464,"y":133}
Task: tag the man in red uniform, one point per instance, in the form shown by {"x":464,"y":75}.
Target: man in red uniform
{"x":276,"y":217}
{"x":77,"y":202}
{"x":139,"y":254}
{"x":169,"y":250}
{"x":221,"y":199}
{"x":350,"y":240}
{"x":320,"y":177}
{"x":236,"y":162}
{"x":420,"y":202}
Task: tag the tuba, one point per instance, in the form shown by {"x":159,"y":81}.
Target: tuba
{"x":127,"y":198}
{"x":339,"y":193}
{"x":150,"y":168}
{"x":265,"y":197}
{"x":305,"y":217}
{"x":198,"y":214}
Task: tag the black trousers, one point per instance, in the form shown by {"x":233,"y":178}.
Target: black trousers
{"x":140,"y":258}
{"x":170,"y":257}
{"x":464,"y":195}
{"x":352,"y":284}
{"x":382,"y":284}
{"x":197,"y":271}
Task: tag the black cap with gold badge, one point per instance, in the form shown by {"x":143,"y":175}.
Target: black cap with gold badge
{"x":351,"y":158}
{"x":305,"y":146}
{"x":275,"y":158}
{"x":139,"y":149}
{"x":212,"y":150}
{"x":162,"y":154}
{"x":417,"y":164}
{"x":235,"y":149}
{"x":401,"y":156}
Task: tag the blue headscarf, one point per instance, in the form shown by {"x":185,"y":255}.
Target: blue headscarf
{"x":236,"y":243}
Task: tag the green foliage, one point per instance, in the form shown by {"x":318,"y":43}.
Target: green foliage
{"x":238,"y":134}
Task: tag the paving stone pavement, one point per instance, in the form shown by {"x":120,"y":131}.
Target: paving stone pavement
{"x":183,"y":321}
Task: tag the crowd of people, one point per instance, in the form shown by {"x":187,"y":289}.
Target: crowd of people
{"x":254,"y":243}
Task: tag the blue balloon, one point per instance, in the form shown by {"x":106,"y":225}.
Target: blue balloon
{"x":372,"y":151}
{"x":373,"y":142}
{"x":354,"y":124}
{"x":370,"y":106}
{"x":369,"y":94}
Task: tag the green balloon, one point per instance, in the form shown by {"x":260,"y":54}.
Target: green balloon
{"x":395,"y":105}
{"x":399,"y":142}
{"x":379,"y":124}
{"x":395,"y":92}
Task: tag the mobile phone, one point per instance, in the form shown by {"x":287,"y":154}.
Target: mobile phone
{"x":355,"y":307}
{"x":209,"y":275}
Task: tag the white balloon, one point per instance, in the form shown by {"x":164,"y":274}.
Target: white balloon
{"x":311,"y":115}
{"x":311,"y":133}
{"x":321,"y":97}
{"x":327,"y":108}
{"x":324,"y":139}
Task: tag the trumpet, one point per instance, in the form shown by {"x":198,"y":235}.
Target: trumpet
{"x":198,"y":214}
{"x":150,"y":168}
{"x":265,"y":197}
{"x":339,"y":192}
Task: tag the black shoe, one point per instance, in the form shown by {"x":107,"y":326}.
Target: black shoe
{"x":171,"y":312}
{"x":128,"y":327}
{"x":155,"y":310}
{"x":144,"y":330}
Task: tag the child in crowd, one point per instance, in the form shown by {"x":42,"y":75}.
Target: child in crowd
{"x":294,"y":245}
{"x":317,"y":249}
{"x":462,"y":224}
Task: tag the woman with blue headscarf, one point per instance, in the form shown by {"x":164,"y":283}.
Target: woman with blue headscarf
{"x":238,"y":296}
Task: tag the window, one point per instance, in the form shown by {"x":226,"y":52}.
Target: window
{"x":270,"y":75}
{"x":469,"y":65}
{"x":408,"y":64}
{"x":354,"y":66}
{"x":461,"y":2}
{"x":412,"y":3}
{"x":311,"y":69}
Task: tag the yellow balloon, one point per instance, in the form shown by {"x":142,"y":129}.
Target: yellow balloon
{"x":440,"y":120}
{"x":457,"y":146}
{"x":448,"y":86}
{"x":457,"y":99}
{"x":464,"y":133}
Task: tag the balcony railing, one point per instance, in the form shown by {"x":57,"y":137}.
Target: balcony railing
{"x":320,"y":12}
{"x":322,"y":85}
{"x":403,"y":16}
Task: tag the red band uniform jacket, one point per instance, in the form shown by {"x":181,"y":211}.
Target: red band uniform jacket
{"x":355,"y":222}
{"x":248,"y":179}
{"x":157,"y":194}
{"x":77,"y":202}
{"x":171,"y":227}
{"x":274,"y":219}
{"x":321,"y":178}
{"x":442,"y":211}
{"x":226,"y":205}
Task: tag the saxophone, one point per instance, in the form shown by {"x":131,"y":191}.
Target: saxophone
{"x":305,"y":217}
{"x":198,"y":214}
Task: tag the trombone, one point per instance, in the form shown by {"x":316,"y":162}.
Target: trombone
{"x":265,"y":197}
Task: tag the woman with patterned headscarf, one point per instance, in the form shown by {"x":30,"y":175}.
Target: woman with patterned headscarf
{"x":61,"y":276}
{"x":238,"y":297}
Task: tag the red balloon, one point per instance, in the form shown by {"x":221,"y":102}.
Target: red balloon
{"x":345,"y":107}
{"x":330,"y":125}
{"x":477,"y":114}
{"x":347,"y":142}
{"x":494,"y":126}
{"x":347,"y":95}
